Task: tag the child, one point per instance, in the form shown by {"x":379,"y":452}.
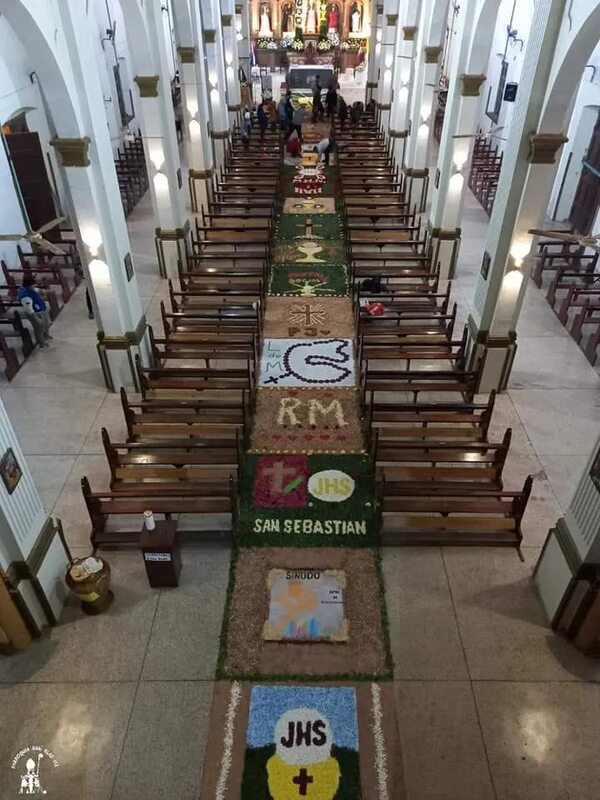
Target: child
{"x":35,"y":309}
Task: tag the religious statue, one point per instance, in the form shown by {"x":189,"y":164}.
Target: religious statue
{"x":312,"y":18}
{"x":333,"y":18}
{"x":355,"y":19}
{"x":287,"y":18}
{"x":265,"y":21}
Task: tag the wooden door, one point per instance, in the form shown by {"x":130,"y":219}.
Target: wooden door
{"x":587,"y":196}
{"x":28,"y":162}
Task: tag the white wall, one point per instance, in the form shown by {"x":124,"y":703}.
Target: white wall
{"x":585,"y":112}
{"x":106,"y":56}
{"x":18,"y":92}
{"x":521,"y":20}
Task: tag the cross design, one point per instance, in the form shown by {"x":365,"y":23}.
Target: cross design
{"x":302,"y":781}
{"x":280,"y":476}
{"x":305,"y":314}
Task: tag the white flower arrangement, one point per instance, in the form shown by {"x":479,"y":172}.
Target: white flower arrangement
{"x":345,"y":46}
{"x":297,"y":44}
{"x":266,"y":44}
{"x":323,"y":44}
{"x":333,"y":38}
{"x":286,"y":41}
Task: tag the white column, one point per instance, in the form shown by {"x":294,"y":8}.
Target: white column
{"x":383,"y":93}
{"x":194,"y":86}
{"x":426,"y":79}
{"x":242,"y":33}
{"x":460,"y":124}
{"x":160,"y":144}
{"x":406,"y":37}
{"x":374,"y":50}
{"x":91,"y":182}
{"x":572,"y":545}
{"x":213,"y":43}
{"x":230,"y":53}
{"x":33,"y":558}
{"x":528,"y":167}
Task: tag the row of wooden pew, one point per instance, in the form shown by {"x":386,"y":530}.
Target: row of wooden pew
{"x":440,"y":477}
{"x":188,"y":427}
{"x":570,"y":273}
{"x":132,"y":175}
{"x":486,"y":164}
{"x":57,"y":277}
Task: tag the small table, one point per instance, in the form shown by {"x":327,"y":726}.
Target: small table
{"x":161,"y":554}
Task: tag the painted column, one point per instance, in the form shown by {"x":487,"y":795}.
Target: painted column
{"x":162,"y":151}
{"x":525,"y":180}
{"x":374,"y":50}
{"x":426,"y":79}
{"x":91,"y":184}
{"x":242,"y":34}
{"x":383,"y":93}
{"x":213,"y":44}
{"x":230,"y":53}
{"x":192,"y":75}
{"x":572,"y":545}
{"x":460,"y":125}
{"x":406,"y":37}
{"x":33,"y":556}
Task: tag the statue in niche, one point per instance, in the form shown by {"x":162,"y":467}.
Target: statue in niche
{"x":333,"y":18}
{"x":355,"y":18}
{"x":312,"y":18}
{"x":265,"y":20}
{"x":287,"y":18}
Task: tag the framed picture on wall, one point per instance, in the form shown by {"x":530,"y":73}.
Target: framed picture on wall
{"x":10,"y":471}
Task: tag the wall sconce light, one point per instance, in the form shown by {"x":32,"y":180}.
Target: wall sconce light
{"x":229,"y":72}
{"x":425,"y":113}
{"x":192,"y":106}
{"x":214,"y":96}
{"x":512,"y":281}
{"x":403,"y":94}
{"x":99,"y":273}
{"x":91,"y":238}
{"x":460,"y":159}
{"x":157,"y":155}
{"x":456,"y":183}
{"x":423,"y":131}
{"x":195,"y":129}
{"x":518,"y":250}
{"x":213,"y":80}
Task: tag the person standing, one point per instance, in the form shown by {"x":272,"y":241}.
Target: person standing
{"x":263,"y":120}
{"x":36,"y":310}
{"x":342,"y":112}
{"x":318,"y":109}
{"x":271,"y":109}
{"x":282,"y":114}
{"x":246,"y":128}
{"x":297,"y":121}
{"x":331,"y":99}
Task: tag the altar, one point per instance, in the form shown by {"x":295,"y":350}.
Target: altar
{"x":292,"y":25}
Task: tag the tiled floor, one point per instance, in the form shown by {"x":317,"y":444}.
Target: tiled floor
{"x":491,"y":704}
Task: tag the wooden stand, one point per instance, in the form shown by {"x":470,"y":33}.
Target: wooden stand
{"x":162,"y":557}
{"x":11,"y":621}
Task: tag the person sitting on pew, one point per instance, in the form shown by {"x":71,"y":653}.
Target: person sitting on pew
{"x":36,"y":309}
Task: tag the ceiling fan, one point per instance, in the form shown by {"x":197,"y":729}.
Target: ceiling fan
{"x":36,"y":237}
{"x":593,"y":242}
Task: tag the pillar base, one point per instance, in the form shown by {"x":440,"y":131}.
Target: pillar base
{"x":117,"y":356}
{"x":556,"y":569}
{"x":172,"y":249}
{"x":198,"y":187}
{"x":37,"y":586}
{"x":444,"y":247}
{"x":493,"y":355}
{"x":417,"y":186}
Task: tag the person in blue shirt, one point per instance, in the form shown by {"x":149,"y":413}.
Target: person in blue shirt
{"x":36,"y":310}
